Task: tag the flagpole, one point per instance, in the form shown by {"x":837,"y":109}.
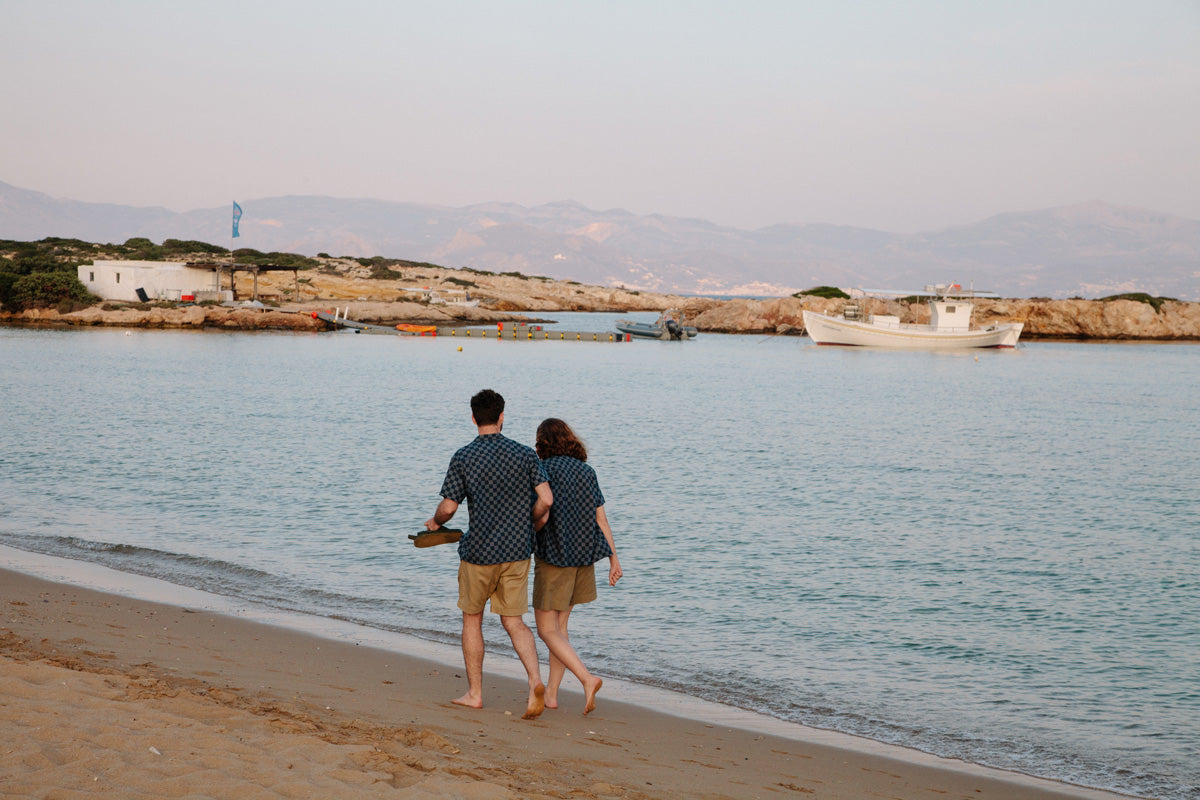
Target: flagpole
{"x":237,"y":217}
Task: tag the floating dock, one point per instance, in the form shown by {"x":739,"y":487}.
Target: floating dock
{"x":512,"y":331}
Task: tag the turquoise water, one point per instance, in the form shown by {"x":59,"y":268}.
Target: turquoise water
{"x":993,"y":556}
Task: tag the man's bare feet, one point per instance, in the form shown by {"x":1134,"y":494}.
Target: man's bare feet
{"x":468,"y":701}
{"x":589,"y":694}
{"x":537,"y":702}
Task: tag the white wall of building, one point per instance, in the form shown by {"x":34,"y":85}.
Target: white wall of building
{"x":161,"y":280}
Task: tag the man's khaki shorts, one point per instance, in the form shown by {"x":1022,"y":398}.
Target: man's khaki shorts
{"x":559,"y":588}
{"x":506,"y":584}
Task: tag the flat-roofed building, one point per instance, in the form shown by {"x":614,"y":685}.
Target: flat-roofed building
{"x":157,"y":280}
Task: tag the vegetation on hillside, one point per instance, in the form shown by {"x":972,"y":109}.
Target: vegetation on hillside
{"x":59,"y":290}
{"x":827,"y":292}
{"x":1141,"y":297}
{"x":390,"y":269}
{"x":57,"y":256}
{"x":44,"y":274}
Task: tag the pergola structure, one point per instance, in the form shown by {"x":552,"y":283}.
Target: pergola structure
{"x":254,"y":269}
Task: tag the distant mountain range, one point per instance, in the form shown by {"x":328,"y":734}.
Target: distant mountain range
{"x":1089,"y":250}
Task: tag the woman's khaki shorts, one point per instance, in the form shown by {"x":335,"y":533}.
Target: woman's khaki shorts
{"x":559,"y":588}
{"x":506,"y":584}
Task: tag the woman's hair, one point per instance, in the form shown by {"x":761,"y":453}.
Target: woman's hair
{"x":555,"y":438}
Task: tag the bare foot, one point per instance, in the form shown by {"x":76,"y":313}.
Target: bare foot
{"x":551,"y":699}
{"x":468,"y":701}
{"x":537,"y":702}
{"x":589,"y":694}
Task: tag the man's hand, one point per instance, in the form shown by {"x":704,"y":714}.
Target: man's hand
{"x":445,"y":511}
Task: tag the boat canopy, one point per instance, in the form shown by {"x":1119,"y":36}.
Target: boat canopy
{"x":935,"y":290}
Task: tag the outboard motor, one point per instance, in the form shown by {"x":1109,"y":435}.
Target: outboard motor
{"x":674,"y":330}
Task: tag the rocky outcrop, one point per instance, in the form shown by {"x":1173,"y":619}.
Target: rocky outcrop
{"x":188,"y":317}
{"x":1063,"y":319}
{"x":511,"y":298}
{"x":1111,"y":319}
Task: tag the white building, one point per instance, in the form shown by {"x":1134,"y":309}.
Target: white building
{"x":158,"y":280}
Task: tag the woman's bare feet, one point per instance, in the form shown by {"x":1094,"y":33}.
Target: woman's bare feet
{"x":589,"y":695}
{"x":537,"y":702}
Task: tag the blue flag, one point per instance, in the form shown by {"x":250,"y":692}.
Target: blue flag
{"x":237,"y":217}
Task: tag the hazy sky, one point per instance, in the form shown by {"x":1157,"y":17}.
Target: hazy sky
{"x":903,"y":116}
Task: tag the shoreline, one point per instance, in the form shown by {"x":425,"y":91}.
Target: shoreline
{"x":186,"y":654}
{"x":506,"y":298}
{"x":301,"y":321}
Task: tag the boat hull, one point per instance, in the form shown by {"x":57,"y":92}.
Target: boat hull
{"x":824,"y":329}
{"x":644,"y":330}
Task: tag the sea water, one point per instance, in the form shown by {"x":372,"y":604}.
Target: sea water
{"x":989,"y":555}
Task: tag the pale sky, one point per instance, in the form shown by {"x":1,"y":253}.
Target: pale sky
{"x":901,"y":116}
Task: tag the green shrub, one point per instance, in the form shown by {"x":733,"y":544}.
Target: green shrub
{"x":246,"y":255}
{"x":69,"y":305}
{"x":526,"y":277}
{"x":382,"y":272}
{"x":415,"y":264}
{"x":381,"y":268}
{"x":461,"y":282}
{"x":7,"y":279}
{"x":828,"y":292}
{"x":184,"y":246}
{"x":139,"y":248}
{"x":1140,"y":297}
{"x":29,"y":263}
{"x":48,"y":289}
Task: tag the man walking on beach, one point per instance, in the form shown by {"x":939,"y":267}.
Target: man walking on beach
{"x":505,"y":488}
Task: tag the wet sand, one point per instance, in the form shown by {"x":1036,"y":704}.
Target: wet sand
{"x":108,"y":696}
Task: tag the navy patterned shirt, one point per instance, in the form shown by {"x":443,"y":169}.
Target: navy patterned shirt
{"x":497,"y":477}
{"x":572,"y":537}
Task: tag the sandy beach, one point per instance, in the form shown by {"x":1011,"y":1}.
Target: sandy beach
{"x":109,"y":696}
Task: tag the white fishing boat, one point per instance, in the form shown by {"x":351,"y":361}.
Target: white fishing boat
{"x":949,"y":324}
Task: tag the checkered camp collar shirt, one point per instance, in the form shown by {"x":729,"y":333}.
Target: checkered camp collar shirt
{"x":497,"y":477}
{"x":572,"y":537}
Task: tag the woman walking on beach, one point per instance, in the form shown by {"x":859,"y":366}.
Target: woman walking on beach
{"x":571,"y":537}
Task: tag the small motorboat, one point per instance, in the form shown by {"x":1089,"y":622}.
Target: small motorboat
{"x":669,"y":326}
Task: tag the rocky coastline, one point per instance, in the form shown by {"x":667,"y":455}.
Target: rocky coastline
{"x":1043,"y":319}
{"x":288,"y":304}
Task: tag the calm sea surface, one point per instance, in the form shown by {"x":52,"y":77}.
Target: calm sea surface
{"x":993,"y":556}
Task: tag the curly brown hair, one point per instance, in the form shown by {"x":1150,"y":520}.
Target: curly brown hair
{"x":555,"y":438}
